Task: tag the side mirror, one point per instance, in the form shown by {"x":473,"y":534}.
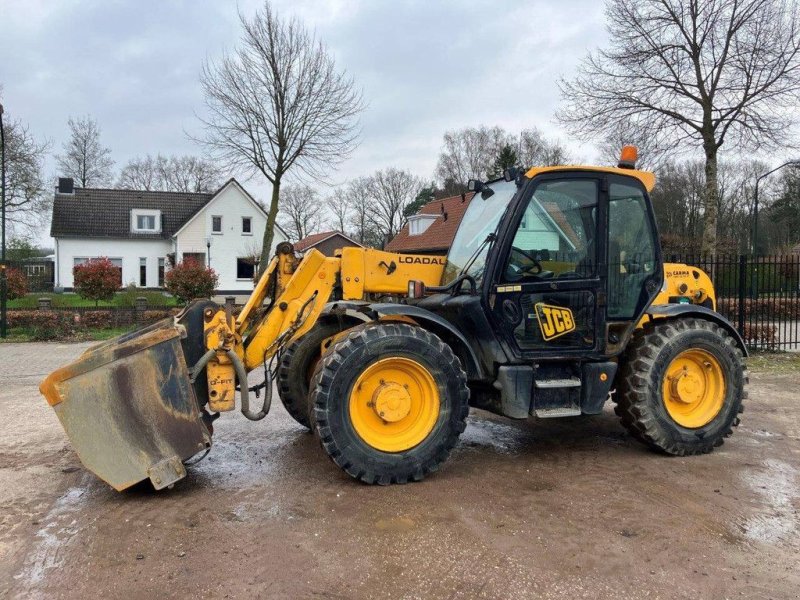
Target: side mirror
{"x":475,"y":185}
{"x":510,"y":174}
{"x":487,"y":193}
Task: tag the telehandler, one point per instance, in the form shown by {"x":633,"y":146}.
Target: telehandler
{"x":552,"y":299}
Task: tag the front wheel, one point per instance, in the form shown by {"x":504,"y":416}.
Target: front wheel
{"x":681,"y":386}
{"x":389,"y":402}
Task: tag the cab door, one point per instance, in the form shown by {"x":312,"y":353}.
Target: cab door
{"x":548,"y":287}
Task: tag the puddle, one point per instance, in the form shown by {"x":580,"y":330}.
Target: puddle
{"x":500,"y":438}
{"x":777,"y":486}
{"x":51,"y":541}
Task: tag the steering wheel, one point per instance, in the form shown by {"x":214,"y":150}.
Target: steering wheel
{"x":519,"y":264}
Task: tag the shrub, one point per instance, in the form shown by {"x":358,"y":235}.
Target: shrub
{"x":155,"y":315}
{"x":44,"y":324}
{"x":96,"y":279}
{"x":96,"y":319}
{"x":189,"y":279}
{"x":16,"y":283}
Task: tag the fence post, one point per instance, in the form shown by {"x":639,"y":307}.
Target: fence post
{"x":45,"y":303}
{"x":742,"y":278}
{"x":141,"y":306}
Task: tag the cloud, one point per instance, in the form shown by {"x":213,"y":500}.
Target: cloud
{"x":425,"y":67}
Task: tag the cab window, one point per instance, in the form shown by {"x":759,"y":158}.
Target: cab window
{"x":631,"y":249}
{"x":556,"y":236}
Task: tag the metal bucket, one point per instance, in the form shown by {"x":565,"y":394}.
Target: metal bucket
{"x":129,"y":409}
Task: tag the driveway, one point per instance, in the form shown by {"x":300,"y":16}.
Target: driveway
{"x":552,"y":509}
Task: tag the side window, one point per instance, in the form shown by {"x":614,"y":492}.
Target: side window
{"x":631,"y":249}
{"x":556,"y":236}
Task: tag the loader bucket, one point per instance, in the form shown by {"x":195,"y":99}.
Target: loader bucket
{"x":129,"y":409}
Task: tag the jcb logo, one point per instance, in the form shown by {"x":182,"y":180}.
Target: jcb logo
{"x":554,"y":320}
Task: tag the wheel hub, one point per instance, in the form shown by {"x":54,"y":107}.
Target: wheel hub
{"x":694,"y":388}
{"x":391,"y":401}
{"x":394,"y":404}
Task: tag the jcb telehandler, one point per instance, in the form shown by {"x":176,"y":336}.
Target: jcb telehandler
{"x":552,"y":299}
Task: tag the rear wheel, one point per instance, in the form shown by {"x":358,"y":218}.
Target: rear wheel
{"x":296,"y":368}
{"x":389,"y":402}
{"x":681,"y":386}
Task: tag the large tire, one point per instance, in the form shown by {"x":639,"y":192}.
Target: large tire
{"x":336,"y":396}
{"x":296,"y":367}
{"x":664,"y":419}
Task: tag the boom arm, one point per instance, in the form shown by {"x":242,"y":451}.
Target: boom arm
{"x":300,"y":291}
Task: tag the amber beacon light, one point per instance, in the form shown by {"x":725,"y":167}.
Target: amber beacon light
{"x":628,"y":157}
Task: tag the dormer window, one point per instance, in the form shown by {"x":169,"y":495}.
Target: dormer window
{"x":145,"y":221}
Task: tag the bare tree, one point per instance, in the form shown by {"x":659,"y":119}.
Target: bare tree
{"x":478,"y":152}
{"x":171,"y":174}
{"x":339,"y":210}
{"x":470,"y":153}
{"x":278,"y":103}
{"x":533,"y":149}
{"x":390,"y":191}
{"x":357,"y":194}
{"x":27,"y":197}
{"x":84,"y":157}
{"x":697,"y":72}
{"x":300,"y":213}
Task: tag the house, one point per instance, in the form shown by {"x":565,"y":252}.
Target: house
{"x":326,"y":242}
{"x":432,"y":229}
{"x":144,"y":233}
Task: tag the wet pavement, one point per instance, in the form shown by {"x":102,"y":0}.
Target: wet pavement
{"x":552,"y":509}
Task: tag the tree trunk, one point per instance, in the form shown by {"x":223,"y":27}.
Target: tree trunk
{"x":269,"y":231}
{"x":710,"y":203}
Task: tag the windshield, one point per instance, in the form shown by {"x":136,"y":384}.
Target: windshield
{"x":480,"y":219}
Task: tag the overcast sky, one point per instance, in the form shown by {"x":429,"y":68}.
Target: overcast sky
{"x":425,"y":67}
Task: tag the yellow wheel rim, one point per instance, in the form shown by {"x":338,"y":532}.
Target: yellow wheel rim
{"x":694,"y":388}
{"x":394,"y":404}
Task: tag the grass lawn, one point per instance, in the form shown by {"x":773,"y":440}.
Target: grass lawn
{"x":774,"y":362}
{"x":126,"y":298}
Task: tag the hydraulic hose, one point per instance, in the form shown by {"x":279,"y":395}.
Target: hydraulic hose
{"x":241,"y":374}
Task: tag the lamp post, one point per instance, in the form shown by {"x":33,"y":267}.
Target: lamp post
{"x":3,"y":274}
{"x":208,"y":249}
{"x":754,"y":237}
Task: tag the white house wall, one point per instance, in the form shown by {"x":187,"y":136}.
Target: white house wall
{"x":226,"y":247}
{"x":130,"y":251}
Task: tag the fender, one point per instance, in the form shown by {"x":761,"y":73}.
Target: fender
{"x":701,"y":312}
{"x":425,"y":318}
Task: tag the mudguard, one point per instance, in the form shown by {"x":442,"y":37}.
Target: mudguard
{"x":701,"y":312}
{"x":425,"y":318}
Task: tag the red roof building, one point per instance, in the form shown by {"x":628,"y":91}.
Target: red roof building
{"x":326,"y":242}
{"x":432,"y":229}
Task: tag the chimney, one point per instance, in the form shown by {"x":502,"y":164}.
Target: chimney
{"x":66,"y":185}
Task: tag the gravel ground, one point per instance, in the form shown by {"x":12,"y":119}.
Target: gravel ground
{"x":551,"y":509}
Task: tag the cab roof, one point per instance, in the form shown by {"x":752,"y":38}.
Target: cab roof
{"x":647,"y":178}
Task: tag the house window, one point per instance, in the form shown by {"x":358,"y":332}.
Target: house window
{"x":117,"y":262}
{"x":245,"y":268}
{"x":216,"y":224}
{"x":161,"y":266}
{"x":199,"y":257}
{"x":143,"y":272}
{"x":145,"y":221}
{"x":247,"y":226}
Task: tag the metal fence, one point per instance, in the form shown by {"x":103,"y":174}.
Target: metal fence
{"x":759,"y":295}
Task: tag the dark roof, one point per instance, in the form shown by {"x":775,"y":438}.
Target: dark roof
{"x":316,"y":238}
{"x":106,"y":213}
{"x":439,"y":234}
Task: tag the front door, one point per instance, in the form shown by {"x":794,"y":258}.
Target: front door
{"x":548,"y":287}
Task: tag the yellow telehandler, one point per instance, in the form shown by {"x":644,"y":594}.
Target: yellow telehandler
{"x":552,"y":299}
